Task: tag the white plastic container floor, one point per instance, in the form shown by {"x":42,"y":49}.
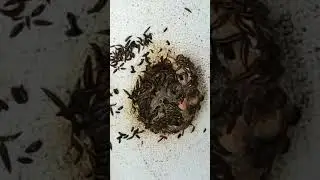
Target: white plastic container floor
{"x":187,"y":158}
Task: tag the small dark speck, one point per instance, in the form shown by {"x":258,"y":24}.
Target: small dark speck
{"x":117,"y":112}
{"x":3,"y":105}
{"x":317,"y":49}
{"x":193,"y":128}
{"x":205,"y":129}
{"x":179,"y":136}
{"x":187,"y":9}
{"x":111,"y":111}
{"x":165,"y":29}
{"x":116,"y":91}
{"x":168,"y":43}
{"x":132,"y":70}
{"x":132,"y":129}
{"x":304,"y":29}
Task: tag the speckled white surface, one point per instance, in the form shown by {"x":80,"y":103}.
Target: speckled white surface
{"x":42,"y":57}
{"x":187,"y":158}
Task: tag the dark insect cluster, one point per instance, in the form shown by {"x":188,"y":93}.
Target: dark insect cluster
{"x":182,"y":80}
{"x":17,"y":14}
{"x":135,"y":133}
{"x":167,"y":96}
{"x":120,"y":54}
{"x":4,"y":152}
{"x":251,"y":112}
{"x":28,"y":20}
{"x":20,"y":96}
{"x":88,"y":109}
{"x":74,"y":29}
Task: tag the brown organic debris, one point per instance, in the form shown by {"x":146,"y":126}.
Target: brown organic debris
{"x":167,"y":95}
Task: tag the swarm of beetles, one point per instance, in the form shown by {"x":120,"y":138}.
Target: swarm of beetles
{"x":167,"y":97}
{"x":88,"y":112}
{"x":181,"y":70}
{"x":14,"y":9}
{"x":20,"y":96}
